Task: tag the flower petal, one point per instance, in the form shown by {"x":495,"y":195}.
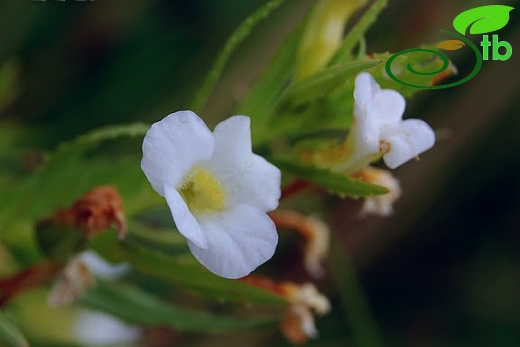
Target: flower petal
{"x":248,"y":178}
{"x":414,"y":137}
{"x":387,"y":107}
{"x":365,"y":89}
{"x":239,"y":240}
{"x":184,"y":219}
{"x":172,"y":146}
{"x":102,"y":268}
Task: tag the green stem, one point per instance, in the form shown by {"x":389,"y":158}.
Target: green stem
{"x":240,"y":34}
{"x":360,"y":322}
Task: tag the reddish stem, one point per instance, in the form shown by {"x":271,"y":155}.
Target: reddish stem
{"x":29,"y":278}
{"x":294,"y":188}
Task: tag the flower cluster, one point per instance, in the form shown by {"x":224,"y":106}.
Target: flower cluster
{"x":378,"y":131}
{"x":379,"y":127}
{"x":218,"y":190}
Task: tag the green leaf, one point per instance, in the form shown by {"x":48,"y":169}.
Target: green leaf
{"x":352,"y":299}
{"x":58,"y":242}
{"x":9,"y":333}
{"x":180,"y":273}
{"x":9,"y":84}
{"x":324,"y":28}
{"x":483,"y":19}
{"x":355,"y":35}
{"x":324,"y":81}
{"x":262,"y":100}
{"x":240,"y":34}
{"x":339,"y":184}
{"x":136,"y":306}
{"x":66,"y":176}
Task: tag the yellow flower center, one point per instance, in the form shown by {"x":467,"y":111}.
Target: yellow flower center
{"x":202,"y":192}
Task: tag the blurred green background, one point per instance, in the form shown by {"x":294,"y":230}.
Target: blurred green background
{"x":444,"y":270}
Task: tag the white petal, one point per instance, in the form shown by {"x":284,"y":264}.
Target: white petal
{"x":233,"y":135}
{"x":239,"y":241}
{"x":172,"y":146}
{"x":414,"y":137}
{"x":184,"y":219}
{"x":387,"y":107}
{"x":365,"y":88}
{"x":247,"y":178}
{"x":102,"y":268}
{"x":99,"y":329}
{"x":367,"y":133}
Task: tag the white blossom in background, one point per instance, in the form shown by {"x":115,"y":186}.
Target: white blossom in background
{"x":79,"y":274}
{"x":102,"y":268}
{"x":298,"y":321}
{"x":217,"y":189}
{"x":98,"y":329}
{"x":381,"y":205}
{"x":379,"y":129}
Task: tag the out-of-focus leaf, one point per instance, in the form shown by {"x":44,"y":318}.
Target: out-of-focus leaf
{"x":353,"y":301}
{"x":324,"y":82}
{"x":323,"y":34}
{"x":451,"y":45}
{"x":9,"y":88}
{"x":483,"y":19}
{"x":177,"y":272}
{"x":240,"y":34}
{"x":358,"y":30}
{"x":67,"y":175}
{"x":9,"y":333}
{"x":336,"y":183}
{"x":260,"y":103}
{"x":138,"y":307}
{"x":58,"y":242}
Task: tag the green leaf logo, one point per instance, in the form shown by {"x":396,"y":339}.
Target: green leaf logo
{"x":483,"y":19}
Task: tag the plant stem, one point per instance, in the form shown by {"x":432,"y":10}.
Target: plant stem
{"x":354,"y":304}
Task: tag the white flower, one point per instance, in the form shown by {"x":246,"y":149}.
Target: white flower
{"x":102,"y":268}
{"x":379,"y":129}
{"x":218,"y":190}
{"x":98,"y":329}
{"x":381,"y":205}
{"x":79,"y":274}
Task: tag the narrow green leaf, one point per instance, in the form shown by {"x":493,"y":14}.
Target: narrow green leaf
{"x":353,"y":301}
{"x":325,"y":81}
{"x":67,"y":175}
{"x":9,"y":84}
{"x":136,"y":306}
{"x":483,"y":19}
{"x":323,"y":34}
{"x":58,"y":242}
{"x":240,"y":34}
{"x":177,"y":272}
{"x":339,"y":184}
{"x":356,"y":33}
{"x":261,"y":102}
{"x":95,"y":137}
{"x":9,"y":333}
